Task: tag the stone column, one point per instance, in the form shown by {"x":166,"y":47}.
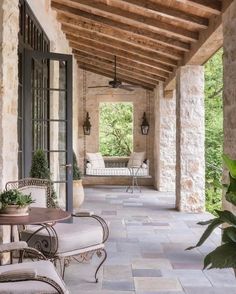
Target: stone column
{"x":9,"y":27}
{"x":165,"y":138}
{"x":229,"y":96}
{"x":190,"y":136}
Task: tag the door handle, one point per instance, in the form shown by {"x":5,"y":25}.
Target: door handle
{"x":66,"y":165}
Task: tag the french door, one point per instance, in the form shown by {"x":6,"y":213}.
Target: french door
{"x":48,"y":117}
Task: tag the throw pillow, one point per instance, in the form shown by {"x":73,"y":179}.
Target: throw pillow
{"x":96,"y":160}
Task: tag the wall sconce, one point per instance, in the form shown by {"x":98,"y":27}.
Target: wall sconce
{"x":87,"y":125}
{"x":144,"y":125}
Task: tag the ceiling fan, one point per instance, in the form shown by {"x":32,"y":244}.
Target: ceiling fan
{"x":115,"y":83}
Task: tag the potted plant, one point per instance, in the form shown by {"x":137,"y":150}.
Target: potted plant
{"x":78,"y":190}
{"x":15,"y":203}
{"x":40,"y":170}
{"x":224,"y":256}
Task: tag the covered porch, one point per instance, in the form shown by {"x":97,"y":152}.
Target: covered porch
{"x":146,"y":247}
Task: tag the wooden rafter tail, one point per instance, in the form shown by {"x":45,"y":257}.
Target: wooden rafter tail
{"x":212,"y":6}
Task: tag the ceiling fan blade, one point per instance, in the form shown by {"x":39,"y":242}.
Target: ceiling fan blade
{"x":126,"y":87}
{"x":94,"y":87}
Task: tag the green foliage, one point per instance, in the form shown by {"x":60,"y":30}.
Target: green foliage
{"x":76,"y":170}
{"x":223,"y":256}
{"x":214,"y":131}
{"x":116,"y":129}
{"x":39,"y":167}
{"x":15,"y":197}
{"x":40,"y":170}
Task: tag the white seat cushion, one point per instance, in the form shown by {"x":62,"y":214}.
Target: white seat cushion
{"x":43,"y":268}
{"x":96,"y":160}
{"x":117,"y":171}
{"x":136,"y":159}
{"x":81,"y":234}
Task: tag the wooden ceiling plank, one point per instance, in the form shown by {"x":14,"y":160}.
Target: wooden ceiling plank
{"x":122,"y":53}
{"x":116,"y":34}
{"x":120,"y":69}
{"x":135,"y":70}
{"x":75,"y":13}
{"x":109,"y":74}
{"x":72,"y":35}
{"x":212,"y":6}
{"x":92,"y":52}
{"x":172,"y":13}
{"x":123,"y":16}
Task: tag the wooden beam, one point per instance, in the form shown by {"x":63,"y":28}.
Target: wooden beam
{"x":120,"y":69}
{"x":168,"y":12}
{"x":115,"y":51}
{"x":212,"y":6}
{"x":122,"y":78}
{"x":83,"y":56}
{"x":117,"y":34}
{"x":76,"y":13}
{"x":209,"y":42}
{"x":124,"y":16}
{"x":100,"y":56}
{"x":73,"y":36}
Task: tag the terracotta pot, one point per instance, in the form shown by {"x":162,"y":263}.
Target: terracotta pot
{"x":14,"y":210}
{"x":78,"y":194}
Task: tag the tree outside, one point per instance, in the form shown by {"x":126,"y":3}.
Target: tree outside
{"x":116,"y":129}
{"x":214,"y":130}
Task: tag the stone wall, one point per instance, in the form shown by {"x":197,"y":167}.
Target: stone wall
{"x":229,"y":103}
{"x":165,"y":140}
{"x":9,"y":19}
{"x":190,"y":137}
{"x":90,"y":98}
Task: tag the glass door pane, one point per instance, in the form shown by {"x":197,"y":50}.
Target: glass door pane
{"x":49,"y":119}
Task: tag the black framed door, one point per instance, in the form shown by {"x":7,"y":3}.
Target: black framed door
{"x":48,"y":117}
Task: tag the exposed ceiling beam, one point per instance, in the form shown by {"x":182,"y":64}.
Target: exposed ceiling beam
{"x":118,"y":34}
{"x":171,"y":42}
{"x":168,"y":12}
{"x":124,"y":16}
{"x":110,"y":66}
{"x":82,"y":56}
{"x":210,"y":41}
{"x":212,"y":6}
{"x":73,"y":36}
{"x":77,"y":42}
{"x":101,"y":56}
{"x":110,"y":74}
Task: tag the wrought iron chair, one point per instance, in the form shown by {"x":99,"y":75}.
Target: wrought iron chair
{"x":62,"y":242}
{"x":29,"y":277}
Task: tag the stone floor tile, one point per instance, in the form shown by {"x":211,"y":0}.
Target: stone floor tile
{"x":117,"y":272}
{"x":157,"y":284}
{"x":118,"y":285}
{"x":146,"y":273}
{"x":151,"y":263}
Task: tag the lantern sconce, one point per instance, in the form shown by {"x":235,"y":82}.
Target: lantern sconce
{"x":87,"y":125}
{"x":144,"y":125}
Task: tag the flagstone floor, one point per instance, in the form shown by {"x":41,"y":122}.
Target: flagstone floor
{"x":146,"y":248}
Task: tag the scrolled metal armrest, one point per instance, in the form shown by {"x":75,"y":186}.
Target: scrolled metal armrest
{"x":99,"y":219}
{"x":20,"y":246}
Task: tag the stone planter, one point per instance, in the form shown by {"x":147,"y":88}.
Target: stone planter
{"x":14,"y":210}
{"x":78,"y":195}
